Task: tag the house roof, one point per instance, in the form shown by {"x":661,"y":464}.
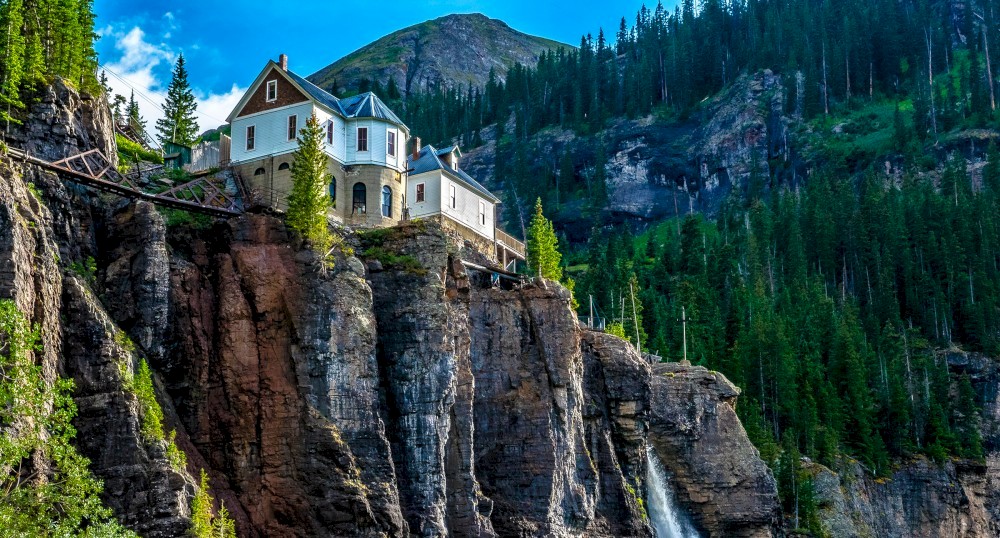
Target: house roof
{"x":429,"y":160}
{"x":366,"y":105}
{"x":317,"y":93}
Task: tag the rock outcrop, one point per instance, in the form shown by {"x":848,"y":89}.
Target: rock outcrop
{"x":422,"y":312}
{"x":718,"y":474}
{"x":656,"y":168}
{"x":275,"y":379}
{"x":920,"y":500}
{"x":44,"y":230}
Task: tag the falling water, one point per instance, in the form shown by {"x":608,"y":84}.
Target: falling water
{"x":665,"y":515}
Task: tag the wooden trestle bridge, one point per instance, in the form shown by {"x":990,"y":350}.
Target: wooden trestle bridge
{"x":93,"y":169}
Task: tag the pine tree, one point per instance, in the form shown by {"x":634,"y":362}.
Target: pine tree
{"x":203,"y":523}
{"x":135,"y":120}
{"x":309,"y":200}
{"x":543,"y":256}
{"x":11,"y":59}
{"x":178,"y":124}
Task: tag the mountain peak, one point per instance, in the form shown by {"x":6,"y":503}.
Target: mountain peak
{"x":453,"y":50}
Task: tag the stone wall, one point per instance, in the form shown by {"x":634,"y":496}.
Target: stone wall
{"x":272,"y":187}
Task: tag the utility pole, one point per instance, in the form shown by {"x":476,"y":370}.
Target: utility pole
{"x":684,"y":331}
{"x":635,"y":319}
{"x":591,"y":311}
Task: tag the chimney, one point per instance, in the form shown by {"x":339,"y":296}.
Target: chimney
{"x":283,"y":62}
{"x":416,"y":148}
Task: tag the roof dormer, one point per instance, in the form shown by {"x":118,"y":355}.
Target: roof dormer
{"x":450,"y":156}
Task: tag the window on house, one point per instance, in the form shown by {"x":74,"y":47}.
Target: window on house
{"x":362,"y":139}
{"x":482,"y":213}
{"x":283,"y":166}
{"x":454,"y":201}
{"x":360,"y":193}
{"x":293,"y":121}
{"x":259,"y":172}
{"x":329,"y":133}
{"x":390,"y":146}
{"x":386,"y":201}
{"x":333,"y":190}
{"x":251,"y":137}
{"x":420,"y":192}
{"x":272,"y":90}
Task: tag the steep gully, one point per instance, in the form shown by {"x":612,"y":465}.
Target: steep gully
{"x":370,"y":400}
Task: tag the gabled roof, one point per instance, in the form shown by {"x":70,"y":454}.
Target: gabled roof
{"x":316,"y":93}
{"x":429,"y":160}
{"x":448,"y":150}
{"x":366,"y":105}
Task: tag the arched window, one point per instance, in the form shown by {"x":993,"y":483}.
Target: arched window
{"x":386,"y":201}
{"x":260,"y":171}
{"x":333,"y":189}
{"x":283,"y":166}
{"x":360,"y":193}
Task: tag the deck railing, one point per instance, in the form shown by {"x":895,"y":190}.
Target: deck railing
{"x":508,"y":242}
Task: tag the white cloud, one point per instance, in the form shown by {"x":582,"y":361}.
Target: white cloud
{"x":140,"y":65}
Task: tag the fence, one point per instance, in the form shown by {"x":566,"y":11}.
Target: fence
{"x":204,"y":156}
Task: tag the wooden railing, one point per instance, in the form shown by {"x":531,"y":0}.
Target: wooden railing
{"x":508,"y":242}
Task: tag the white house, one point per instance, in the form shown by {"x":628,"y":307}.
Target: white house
{"x":365,"y":143}
{"x":437,"y":187}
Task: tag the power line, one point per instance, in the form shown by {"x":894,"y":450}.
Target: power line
{"x":148,"y":99}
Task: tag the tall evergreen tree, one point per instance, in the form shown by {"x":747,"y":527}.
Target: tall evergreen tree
{"x":135,"y":120}
{"x":543,"y":257}
{"x":178,"y":124}
{"x":12,"y":58}
{"x":309,"y":200}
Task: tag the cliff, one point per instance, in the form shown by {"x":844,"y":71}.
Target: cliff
{"x":401,"y":396}
{"x":659,"y":167}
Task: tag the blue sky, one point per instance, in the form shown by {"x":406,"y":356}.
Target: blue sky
{"x":226,"y":43}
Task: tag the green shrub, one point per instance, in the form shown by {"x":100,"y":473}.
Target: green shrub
{"x":174,"y":218}
{"x":176,"y":456}
{"x":86,"y":269}
{"x":152,"y":413}
{"x":33,"y":189}
{"x":391,"y":260}
{"x":66,"y":502}
{"x":616,"y":329}
{"x":128,"y":151}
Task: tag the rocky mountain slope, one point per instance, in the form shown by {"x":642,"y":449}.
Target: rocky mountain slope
{"x":656,"y":167}
{"x":453,"y":50}
{"x":373,"y":398}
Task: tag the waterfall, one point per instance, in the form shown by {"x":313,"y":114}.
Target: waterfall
{"x":664,"y":514}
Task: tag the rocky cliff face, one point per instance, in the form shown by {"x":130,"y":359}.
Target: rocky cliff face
{"x":397,"y":396}
{"x":658,"y":168}
{"x":719,"y":474}
{"x":44,"y":227}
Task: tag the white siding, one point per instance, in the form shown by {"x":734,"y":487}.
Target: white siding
{"x":466,"y":210}
{"x":271,"y":137}
{"x":432,"y":194}
{"x":377,"y":141}
{"x":337,"y":150}
{"x":271,"y":132}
